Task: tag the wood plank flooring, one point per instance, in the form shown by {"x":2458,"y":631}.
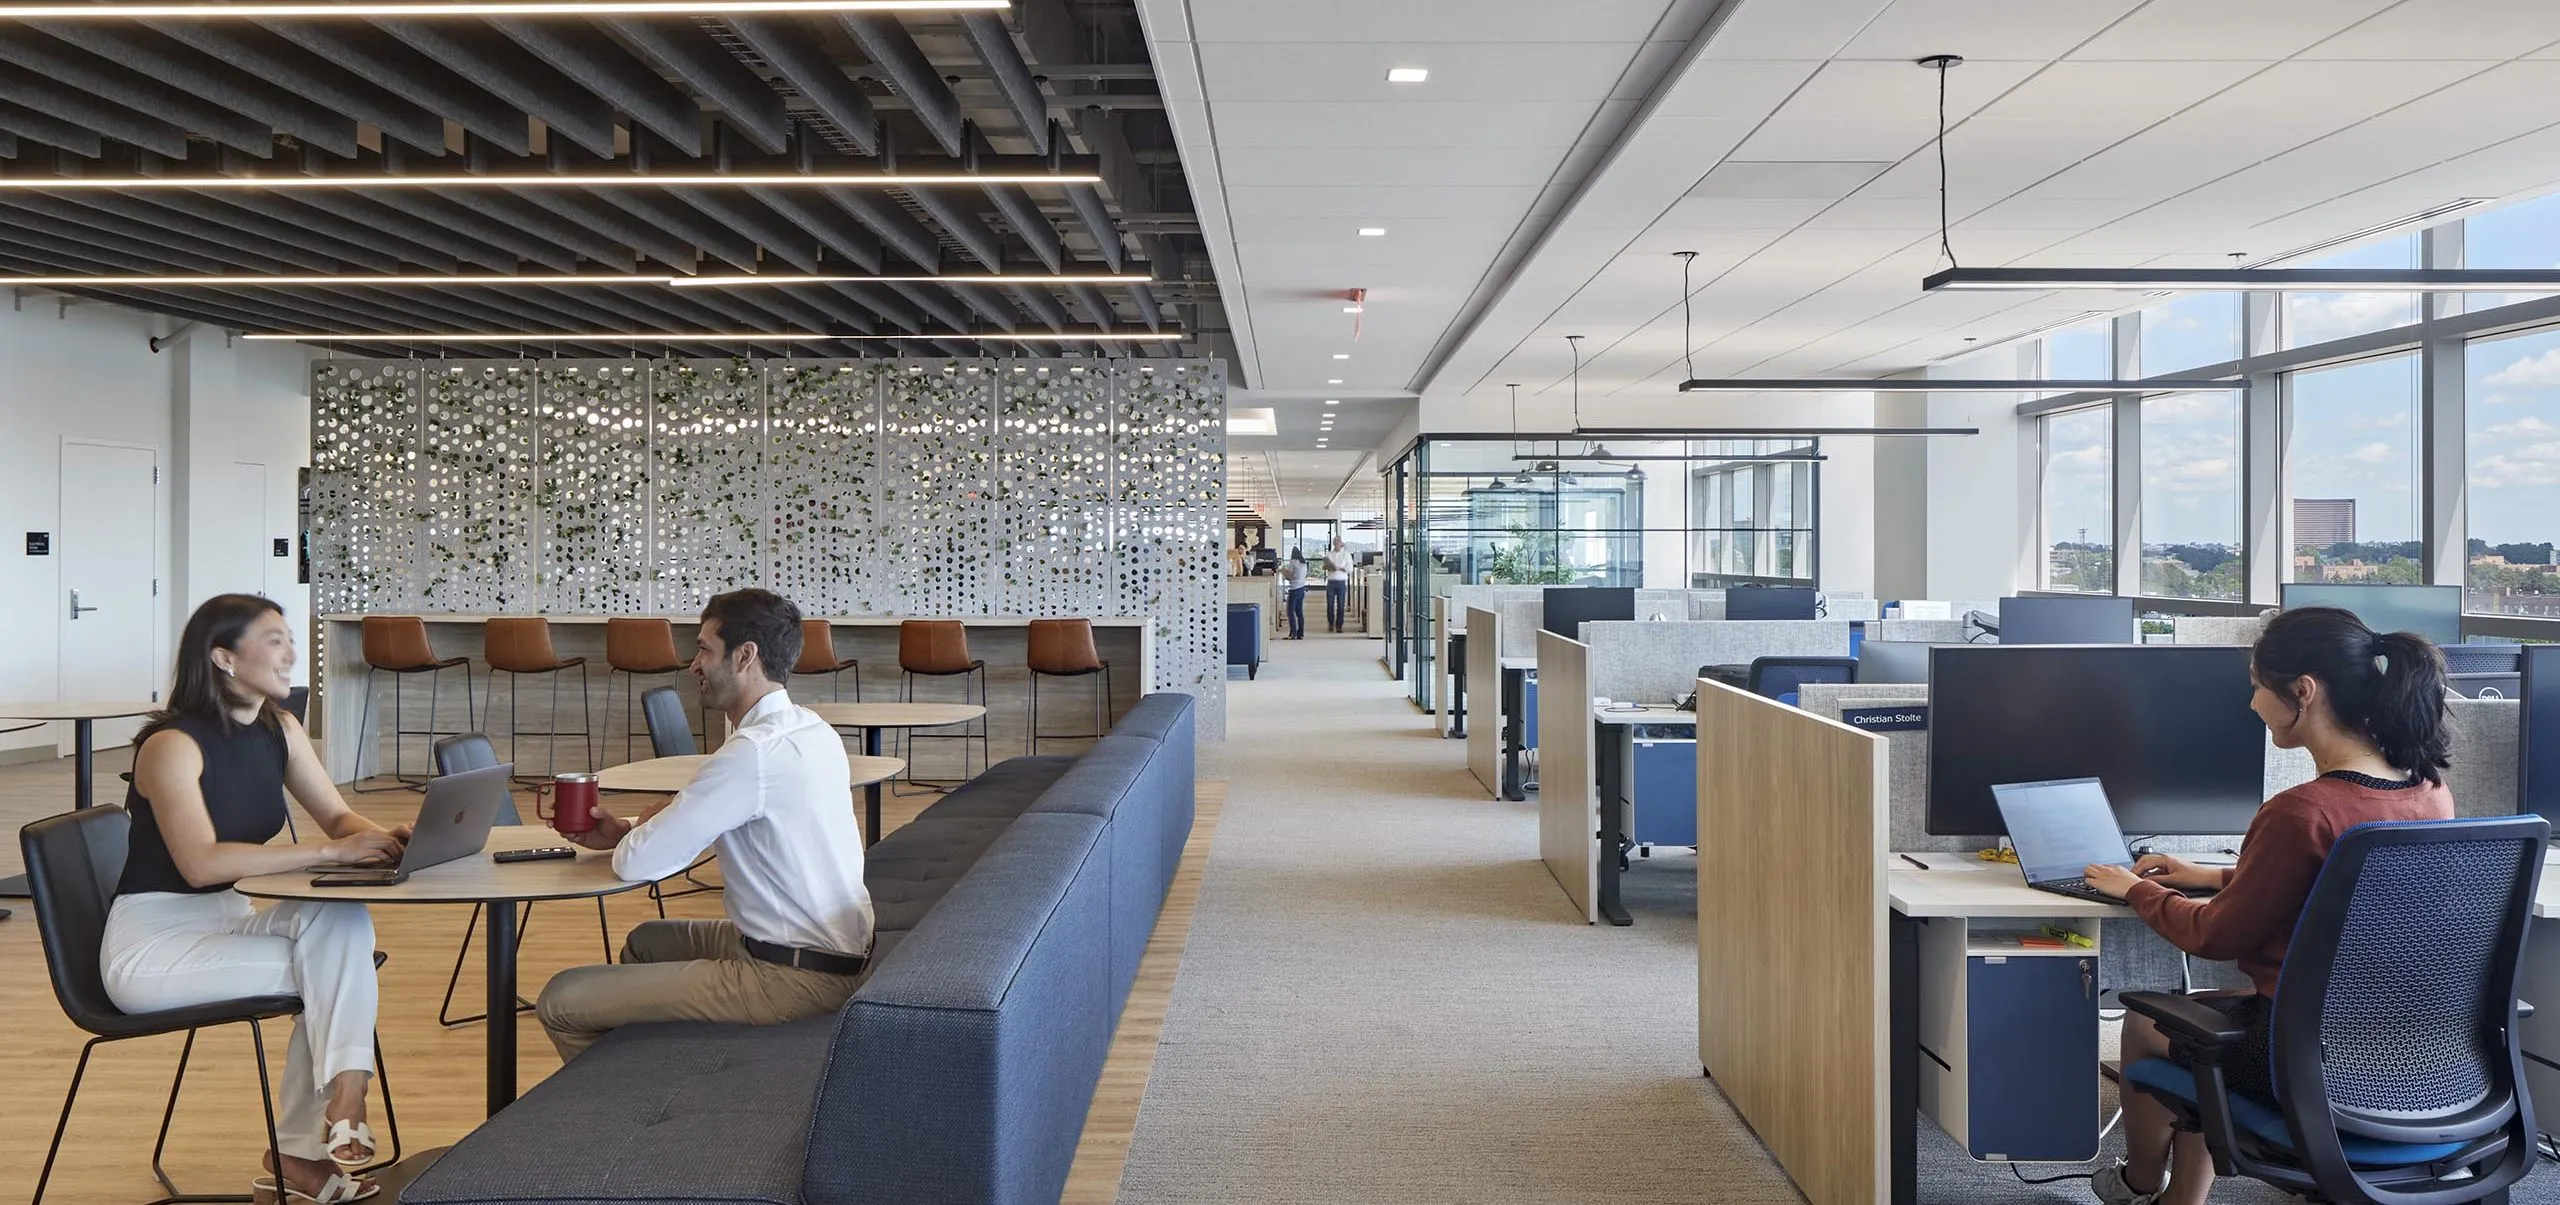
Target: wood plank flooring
{"x":435,"y":1073}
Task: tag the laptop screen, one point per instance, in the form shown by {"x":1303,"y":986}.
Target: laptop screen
{"x":2060,"y":828}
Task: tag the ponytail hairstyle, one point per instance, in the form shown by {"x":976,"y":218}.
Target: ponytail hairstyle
{"x":2389,"y":687}
{"x":199,"y":690}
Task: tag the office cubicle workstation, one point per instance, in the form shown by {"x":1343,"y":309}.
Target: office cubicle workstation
{"x":2061,"y":620}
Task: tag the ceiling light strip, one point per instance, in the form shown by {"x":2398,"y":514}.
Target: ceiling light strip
{"x":709,"y":337}
{"x":547,"y":180}
{"x":251,"y":281}
{"x":522,"y":8}
{"x":1955,"y":385}
{"x":2273,"y":280}
{"x":1008,"y":278}
{"x":1766,"y":432}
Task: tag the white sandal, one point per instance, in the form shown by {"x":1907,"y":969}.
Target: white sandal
{"x":342,"y":1133}
{"x":340,"y":1187}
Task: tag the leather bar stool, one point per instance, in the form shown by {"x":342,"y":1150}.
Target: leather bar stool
{"x":1063,"y":648}
{"x":636,"y":649}
{"x":939,"y":648}
{"x":521,"y":646}
{"x":818,"y":656}
{"x":398,"y":645}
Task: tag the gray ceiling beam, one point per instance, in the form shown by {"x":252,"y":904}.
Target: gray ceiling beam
{"x":891,"y":308}
{"x":8,"y":146}
{"x":988,"y":36}
{"x":435,"y":210}
{"x":989,"y":309}
{"x":779,"y":238}
{"x":199,"y":211}
{"x":831,"y":232}
{"x":67,"y":256}
{"x":311,"y":212}
{"x":590,"y":56}
{"x":1042,"y":305}
{"x":216,"y":81}
{"x":895,"y":52}
{"x":657,"y":309}
{"x":290,"y":67}
{"x":23,"y":87}
{"x":22,"y":122}
{"x":896,"y":228}
{"x":72,"y":67}
{"x":1087,"y":201}
{"x":792,"y":47}
{"x":935,"y":301}
{"x":747,"y":103}
{"x":507,"y":208}
{"x":1034,"y":230}
{"x":1095,"y":304}
{"x":832,"y":304}
{"x":381,"y":212}
{"x":512,"y":74}
{"x":683,"y":221}
{"x":56,"y":214}
{"x":1148,"y":311}
{"x":413,"y":77}
{"x":650,"y":241}
{"x":973,"y":235}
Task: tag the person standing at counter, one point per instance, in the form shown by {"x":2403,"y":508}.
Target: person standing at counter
{"x":777,"y":801}
{"x":1293,"y":580}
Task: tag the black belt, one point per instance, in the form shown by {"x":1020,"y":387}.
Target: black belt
{"x":826,"y":961}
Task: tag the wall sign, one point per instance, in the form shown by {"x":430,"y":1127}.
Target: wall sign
{"x":284,"y":547}
{"x":39,"y":543}
{"x":1907,"y":717}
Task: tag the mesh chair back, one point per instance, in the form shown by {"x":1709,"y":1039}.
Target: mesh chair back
{"x":1778,"y":677}
{"x":472,"y":751}
{"x":73,"y":862}
{"x":2395,"y":1011}
{"x":670,"y":733}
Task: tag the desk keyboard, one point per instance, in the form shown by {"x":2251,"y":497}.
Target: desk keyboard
{"x":2078,"y":889}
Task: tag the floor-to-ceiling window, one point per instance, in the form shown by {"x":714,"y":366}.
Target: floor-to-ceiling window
{"x":2192,"y":496}
{"x":2078,"y":509}
{"x":2355,"y":501}
{"x":2311,"y":318}
{"x":2513,"y":445}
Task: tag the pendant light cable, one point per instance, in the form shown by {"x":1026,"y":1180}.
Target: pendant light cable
{"x":1688,"y":364}
{"x":1575,"y":341}
{"x":1942,"y":64}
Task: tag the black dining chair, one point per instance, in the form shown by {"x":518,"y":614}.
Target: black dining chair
{"x":73,"y":862}
{"x":671,"y":735}
{"x":473,"y":751}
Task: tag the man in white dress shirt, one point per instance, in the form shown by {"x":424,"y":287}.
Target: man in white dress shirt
{"x":777,"y":801}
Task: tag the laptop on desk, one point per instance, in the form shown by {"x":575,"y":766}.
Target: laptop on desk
{"x":453,"y":822}
{"x":2060,"y":829}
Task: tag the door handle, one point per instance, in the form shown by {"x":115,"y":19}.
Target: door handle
{"x":76,"y":608}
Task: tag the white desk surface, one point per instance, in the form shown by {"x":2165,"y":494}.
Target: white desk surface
{"x":1964,"y":885}
{"x":2546,"y":901}
{"x":1653,"y":713}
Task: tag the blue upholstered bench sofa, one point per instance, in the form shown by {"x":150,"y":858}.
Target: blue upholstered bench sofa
{"x":1011,"y":913}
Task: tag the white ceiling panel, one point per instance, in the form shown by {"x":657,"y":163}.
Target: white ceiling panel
{"x":1871,"y":110}
{"x":1531,"y":21}
{"x":1334,"y":71}
{"x":2267,"y":30}
{"x":1391,"y":166}
{"x":1990,"y":29}
{"x":2446,"y":29}
{"x":1791,"y":29}
{"x":1741,"y":179}
{"x":1735,"y":91}
{"x":2112,"y":96}
{"x":1370,"y":205}
{"x":1506,"y":125}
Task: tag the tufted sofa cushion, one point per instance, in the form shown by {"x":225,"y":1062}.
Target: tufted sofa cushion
{"x":1004,"y":791}
{"x":677,"y":1112}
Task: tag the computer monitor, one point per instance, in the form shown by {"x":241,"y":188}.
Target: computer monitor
{"x":1569,"y":607}
{"x":2066,"y":621}
{"x":2167,"y":729}
{"x":2538,"y":734}
{"x":1893,"y":661}
{"x":1769,"y":602}
{"x":2434,"y":612}
{"x":2484,"y":658}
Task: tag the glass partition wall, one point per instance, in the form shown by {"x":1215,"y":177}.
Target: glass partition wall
{"x":2382,"y":437}
{"x":1657,"y":514}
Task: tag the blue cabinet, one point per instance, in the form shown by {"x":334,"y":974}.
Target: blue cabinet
{"x":2008,"y":1038}
{"x":1662,"y":783}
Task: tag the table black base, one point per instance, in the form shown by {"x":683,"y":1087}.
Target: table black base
{"x":871,"y":792}
{"x":1609,"y":776}
{"x":501,"y":940}
{"x":1514,"y":726}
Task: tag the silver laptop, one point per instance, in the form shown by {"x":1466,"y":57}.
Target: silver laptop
{"x":2060,"y":829}
{"x":454,"y":821}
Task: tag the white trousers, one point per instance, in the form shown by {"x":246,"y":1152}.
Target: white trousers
{"x":169,"y":950}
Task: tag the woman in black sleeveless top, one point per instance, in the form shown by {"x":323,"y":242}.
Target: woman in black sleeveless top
{"x":209,"y":783}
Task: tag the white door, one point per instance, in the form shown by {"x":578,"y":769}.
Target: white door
{"x":108,"y":607}
{"x":239,"y":537}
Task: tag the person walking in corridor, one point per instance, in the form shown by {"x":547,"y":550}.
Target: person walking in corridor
{"x":1293,"y":579}
{"x":1337,"y":586}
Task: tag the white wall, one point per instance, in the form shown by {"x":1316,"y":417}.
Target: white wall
{"x":233,"y":403}
{"x":88,"y":373}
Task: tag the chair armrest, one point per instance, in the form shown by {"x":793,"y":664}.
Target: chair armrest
{"x":2184,"y":1018}
{"x":2524,"y":1008}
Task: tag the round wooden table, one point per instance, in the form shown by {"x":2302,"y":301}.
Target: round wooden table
{"x":871,"y":718}
{"x":83,"y":716}
{"x":667,"y":775}
{"x":477,"y":880}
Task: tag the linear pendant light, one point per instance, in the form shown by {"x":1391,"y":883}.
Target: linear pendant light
{"x":709,"y":337}
{"x":496,"y":280}
{"x":544,"y":180}
{"x":1009,"y":278}
{"x":2274,"y":280}
{"x":1952,"y":385}
{"x":521,"y":8}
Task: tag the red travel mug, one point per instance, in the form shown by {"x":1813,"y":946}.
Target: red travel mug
{"x":573,"y":803}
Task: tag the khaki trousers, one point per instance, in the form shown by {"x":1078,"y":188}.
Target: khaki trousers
{"x":683,"y":970}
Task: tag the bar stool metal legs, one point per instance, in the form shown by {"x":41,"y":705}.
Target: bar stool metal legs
{"x":435,"y":679}
{"x":986,"y":742}
{"x":1101,"y":709}
{"x":551,"y":748}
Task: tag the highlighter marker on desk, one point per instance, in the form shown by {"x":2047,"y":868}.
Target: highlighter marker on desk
{"x":2058,"y":933}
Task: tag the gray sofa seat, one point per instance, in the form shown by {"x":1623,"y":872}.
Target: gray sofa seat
{"x":676,"y":1113}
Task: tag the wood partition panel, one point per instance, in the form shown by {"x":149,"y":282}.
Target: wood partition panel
{"x":1484,"y":698}
{"x":1568,"y":795}
{"x":1792,"y":970}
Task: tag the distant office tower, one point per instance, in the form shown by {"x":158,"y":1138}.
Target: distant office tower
{"x":2321,"y":522}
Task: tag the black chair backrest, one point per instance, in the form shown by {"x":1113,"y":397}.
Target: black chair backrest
{"x":670,"y":733}
{"x":472,"y":751}
{"x":73,"y":862}
{"x":1778,"y":677}
{"x":2395,"y":1012}
{"x":298,"y":702}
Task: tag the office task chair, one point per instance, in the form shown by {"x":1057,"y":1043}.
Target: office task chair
{"x":1063,"y":648}
{"x":1978,"y":624}
{"x":2393,"y":1047}
{"x":1781,"y":677}
{"x":472,"y":751}
{"x":73,"y":861}
{"x":397,"y":645}
{"x":670,"y":735}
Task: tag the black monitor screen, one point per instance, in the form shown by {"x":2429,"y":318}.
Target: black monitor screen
{"x":1893,"y":661}
{"x":2066,"y":621}
{"x":2166,"y":728}
{"x":1769,"y":602}
{"x":2538,"y":741}
{"x":2434,"y":612}
{"x":1569,"y":607}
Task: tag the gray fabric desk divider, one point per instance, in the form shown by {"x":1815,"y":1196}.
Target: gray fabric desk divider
{"x":1522,"y":620}
{"x":1706,"y":604}
{"x":1488,"y":597}
{"x":2483,"y":775}
{"x":1650,"y":662}
{"x":1923,"y":631}
{"x":2216,"y":629}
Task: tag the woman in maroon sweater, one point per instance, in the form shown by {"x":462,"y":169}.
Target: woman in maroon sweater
{"x":2370,"y":709}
